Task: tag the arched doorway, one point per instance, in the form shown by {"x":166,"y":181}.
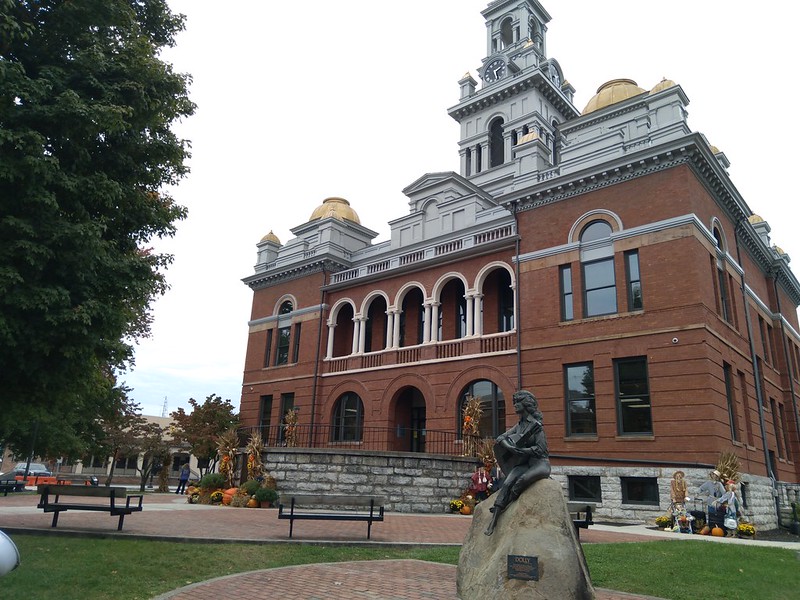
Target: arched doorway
{"x":409,"y":418}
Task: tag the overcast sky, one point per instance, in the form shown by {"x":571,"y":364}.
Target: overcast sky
{"x":301,"y":101}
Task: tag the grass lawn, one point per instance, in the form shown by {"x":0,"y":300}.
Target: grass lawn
{"x":55,"y":567}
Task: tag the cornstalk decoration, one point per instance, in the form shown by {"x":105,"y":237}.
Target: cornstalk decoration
{"x":255,"y":468}
{"x":470,"y":427}
{"x":227,"y":444}
{"x":290,"y":424}
{"x":728,"y":466}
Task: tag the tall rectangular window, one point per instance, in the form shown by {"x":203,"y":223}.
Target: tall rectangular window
{"x":723,"y":296}
{"x":633,"y":396}
{"x":762,"y":326}
{"x":287,"y":404}
{"x":726,"y":368}
{"x":296,"y":346}
{"x":265,"y":417}
{"x":777,"y":427}
{"x":268,"y":349}
{"x":748,"y":426}
{"x":600,"y":288}
{"x":282,"y":350}
{"x":565,"y":282}
{"x":579,"y":392}
{"x":787,"y":446}
{"x":634,"y":281}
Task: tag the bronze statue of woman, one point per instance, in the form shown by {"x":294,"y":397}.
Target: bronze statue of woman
{"x":521,"y":453}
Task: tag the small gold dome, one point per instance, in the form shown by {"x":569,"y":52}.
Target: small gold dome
{"x":755,"y":219}
{"x":662,"y":85}
{"x":271,"y":237}
{"x":779,"y":250}
{"x":612,"y":92}
{"x":714,"y":150}
{"x":338,"y":208}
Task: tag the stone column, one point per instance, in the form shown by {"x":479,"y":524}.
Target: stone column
{"x":477,"y":312}
{"x":331,"y":329}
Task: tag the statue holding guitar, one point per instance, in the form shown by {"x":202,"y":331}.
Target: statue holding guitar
{"x":521,"y":453}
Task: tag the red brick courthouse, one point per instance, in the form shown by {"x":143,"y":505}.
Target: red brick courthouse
{"x":601,"y":258}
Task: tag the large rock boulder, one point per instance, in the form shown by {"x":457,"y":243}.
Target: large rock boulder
{"x":536,"y":525}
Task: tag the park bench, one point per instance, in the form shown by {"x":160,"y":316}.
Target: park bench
{"x":118,"y":502}
{"x":11,"y":485}
{"x":332,"y":508}
{"x":581,"y":513}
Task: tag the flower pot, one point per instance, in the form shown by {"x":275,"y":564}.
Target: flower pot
{"x":266,"y":504}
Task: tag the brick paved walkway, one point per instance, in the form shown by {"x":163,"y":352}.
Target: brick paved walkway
{"x":167,"y":516}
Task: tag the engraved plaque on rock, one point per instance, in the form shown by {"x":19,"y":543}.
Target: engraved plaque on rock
{"x":523,"y":567}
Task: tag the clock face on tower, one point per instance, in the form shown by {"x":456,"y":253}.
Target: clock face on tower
{"x":494,"y":70}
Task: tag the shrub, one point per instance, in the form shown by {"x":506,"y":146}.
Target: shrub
{"x":250,"y":487}
{"x":212,"y":481}
{"x":266,"y":495}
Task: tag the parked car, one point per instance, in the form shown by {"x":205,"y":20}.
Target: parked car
{"x":35,"y":470}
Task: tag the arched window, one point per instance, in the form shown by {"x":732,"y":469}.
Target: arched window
{"x":493,"y":417}
{"x":496,"y":145}
{"x":284,"y":334}
{"x":599,"y":283}
{"x":348,"y":419}
{"x":596,"y":230}
{"x":506,"y":33}
{"x":468,"y":159}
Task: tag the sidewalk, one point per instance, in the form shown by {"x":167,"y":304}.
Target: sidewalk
{"x":170,"y":517}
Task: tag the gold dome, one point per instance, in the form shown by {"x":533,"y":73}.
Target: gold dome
{"x":714,"y":150}
{"x":338,"y":208}
{"x":662,"y":85}
{"x":612,"y":92}
{"x":271,"y":237}
{"x":779,"y":250}
{"x":755,"y":219}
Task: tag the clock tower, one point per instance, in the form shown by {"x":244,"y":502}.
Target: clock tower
{"x":522,"y":99}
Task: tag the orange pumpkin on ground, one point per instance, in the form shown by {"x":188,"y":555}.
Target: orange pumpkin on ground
{"x":718,"y":532}
{"x":227,"y":495}
{"x":466,"y":509}
{"x":705,"y":530}
{"x":253,"y":503}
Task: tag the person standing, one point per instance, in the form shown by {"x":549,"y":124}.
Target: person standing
{"x":183,"y":478}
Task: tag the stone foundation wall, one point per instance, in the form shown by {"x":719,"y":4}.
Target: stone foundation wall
{"x":759,"y":502}
{"x":411,"y":483}
{"x":424,"y":483}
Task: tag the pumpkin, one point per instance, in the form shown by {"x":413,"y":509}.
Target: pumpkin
{"x":705,"y":530}
{"x":253,"y":503}
{"x":718,"y":532}
{"x":227,"y":496}
{"x":466,"y":509}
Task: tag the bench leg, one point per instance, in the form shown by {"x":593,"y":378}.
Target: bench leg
{"x":55,"y":518}
{"x":121,"y":518}
{"x":369,"y":528}
{"x":291,"y":525}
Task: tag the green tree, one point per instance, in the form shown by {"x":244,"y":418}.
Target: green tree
{"x":202,"y":427}
{"x":86,"y":160}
